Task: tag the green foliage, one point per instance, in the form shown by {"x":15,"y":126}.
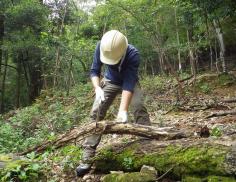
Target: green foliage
{"x":29,"y":169}
{"x":53,"y":113}
{"x":205,"y":88}
{"x":128,"y":163}
{"x":216,"y":132}
{"x":156,"y":83}
{"x":67,"y":157}
{"x":226,"y":79}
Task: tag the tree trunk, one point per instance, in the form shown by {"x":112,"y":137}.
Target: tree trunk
{"x":1,"y":40}
{"x":18,"y":80}
{"x":2,"y":106}
{"x":221,"y":44}
{"x":198,"y":157}
{"x":57,"y":62}
{"x":209,"y":40}
{"x":191,"y":55}
{"x":216,"y":58}
{"x":35,"y":81}
{"x":178,"y":42}
{"x":57,"y":65}
{"x":69,"y":76}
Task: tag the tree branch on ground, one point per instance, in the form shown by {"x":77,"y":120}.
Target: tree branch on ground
{"x":166,"y":133}
{"x":222,"y":113}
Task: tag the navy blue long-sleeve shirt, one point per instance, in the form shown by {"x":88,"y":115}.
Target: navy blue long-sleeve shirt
{"x":124,"y":73}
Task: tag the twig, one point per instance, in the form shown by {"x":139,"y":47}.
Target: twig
{"x":163,"y":175}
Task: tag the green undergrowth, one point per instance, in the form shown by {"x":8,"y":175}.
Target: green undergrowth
{"x":28,"y":169}
{"x":202,"y":161}
{"x":208,"y":179}
{"x":44,"y":167}
{"x":53,"y":112}
{"x":206,"y":83}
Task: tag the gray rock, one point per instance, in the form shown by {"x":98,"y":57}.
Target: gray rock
{"x":149,"y":170}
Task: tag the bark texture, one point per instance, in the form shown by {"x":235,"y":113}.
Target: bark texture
{"x":185,"y":157}
{"x":166,"y":133}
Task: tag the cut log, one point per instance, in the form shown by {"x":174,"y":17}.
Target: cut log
{"x":186,"y":157}
{"x":167,"y":133}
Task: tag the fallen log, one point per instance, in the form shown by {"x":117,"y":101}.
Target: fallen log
{"x":231,"y":100}
{"x":167,"y":133}
{"x":201,"y":157}
{"x":222,"y":113}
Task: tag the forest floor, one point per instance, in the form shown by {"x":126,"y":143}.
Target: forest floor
{"x":204,"y":98}
{"x":195,"y":112}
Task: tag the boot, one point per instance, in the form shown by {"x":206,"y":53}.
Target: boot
{"x":85,"y":166}
{"x":82,"y":169}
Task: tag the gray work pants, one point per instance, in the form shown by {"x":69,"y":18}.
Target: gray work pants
{"x":110,"y":92}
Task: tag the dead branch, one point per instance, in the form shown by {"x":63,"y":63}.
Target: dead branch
{"x":167,"y":133}
{"x":222,"y":113}
{"x":188,"y":78}
{"x":231,"y":100}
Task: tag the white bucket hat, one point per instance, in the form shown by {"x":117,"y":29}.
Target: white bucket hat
{"x":113,"y":46}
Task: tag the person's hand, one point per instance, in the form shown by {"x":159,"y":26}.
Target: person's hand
{"x":99,"y":94}
{"x":122,"y":116}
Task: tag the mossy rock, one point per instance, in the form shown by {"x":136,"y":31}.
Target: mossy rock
{"x":129,"y":177}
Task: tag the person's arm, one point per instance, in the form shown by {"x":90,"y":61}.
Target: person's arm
{"x":95,"y":81}
{"x":95,"y":72}
{"x":130,"y":75}
{"x":125,"y":100}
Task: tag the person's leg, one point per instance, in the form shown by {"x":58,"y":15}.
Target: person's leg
{"x":91,"y":142}
{"x":141,"y":115}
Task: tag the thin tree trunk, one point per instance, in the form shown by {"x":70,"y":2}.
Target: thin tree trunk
{"x":191,"y":55}
{"x":45,"y":84}
{"x":57,"y":62}
{"x":18,"y":80}
{"x":57,"y":65}
{"x":35,"y":81}
{"x":209,"y":39}
{"x":2,"y":106}
{"x":161,"y":63}
{"x":216,"y":58}
{"x":69,"y":76}
{"x":221,"y":44}
{"x":26,"y":75}
{"x":192,"y":60}
{"x":1,"y":39}
{"x":178,"y":42}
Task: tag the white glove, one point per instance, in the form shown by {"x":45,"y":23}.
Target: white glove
{"x":99,"y":94}
{"x":122,"y":116}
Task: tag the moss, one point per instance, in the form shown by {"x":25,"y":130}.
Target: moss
{"x":191,"y":179}
{"x":5,"y":158}
{"x":192,"y":161}
{"x":9,"y":161}
{"x":220,"y":178}
{"x":108,"y":161}
{"x":129,"y":177}
{"x":208,"y":179}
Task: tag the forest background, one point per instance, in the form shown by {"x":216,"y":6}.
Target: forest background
{"x":50,"y":44}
